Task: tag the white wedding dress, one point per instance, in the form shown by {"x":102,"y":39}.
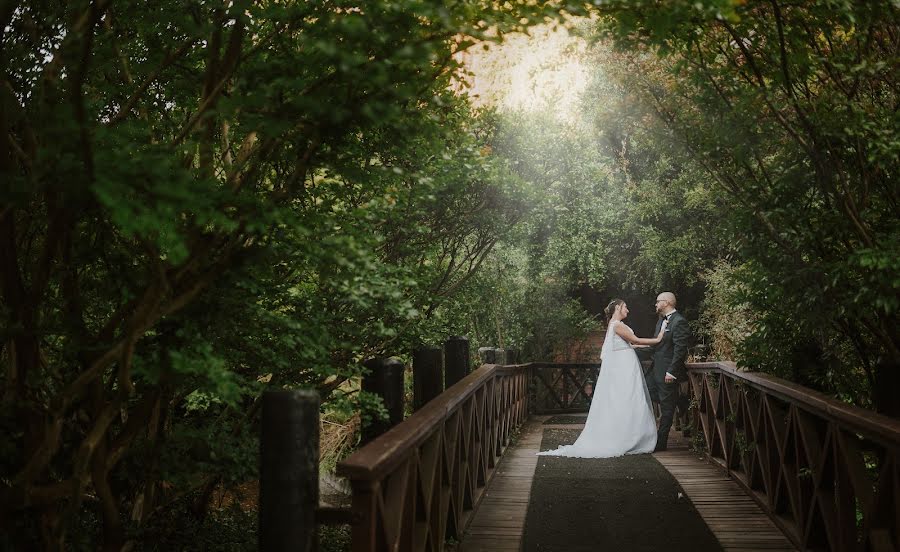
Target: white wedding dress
{"x":621,"y":419}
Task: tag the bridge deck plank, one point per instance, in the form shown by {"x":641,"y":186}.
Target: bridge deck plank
{"x":734,"y":518}
{"x":499,"y":519}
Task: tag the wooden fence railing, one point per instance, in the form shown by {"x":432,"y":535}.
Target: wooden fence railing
{"x":827,"y":472}
{"x":415,"y":486}
{"x":558,"y":388}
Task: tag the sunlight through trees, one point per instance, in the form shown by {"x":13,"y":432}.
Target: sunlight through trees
{"x":200,"y":201}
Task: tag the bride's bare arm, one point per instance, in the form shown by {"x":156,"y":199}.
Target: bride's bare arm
{"x":627,"y":334}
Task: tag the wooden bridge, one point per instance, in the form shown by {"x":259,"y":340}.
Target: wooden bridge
{"x":782,"y":467}
{"x":773,"y":466}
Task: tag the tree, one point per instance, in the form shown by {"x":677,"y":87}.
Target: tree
{"x":791,"y":111}
{"x":193,"y":201}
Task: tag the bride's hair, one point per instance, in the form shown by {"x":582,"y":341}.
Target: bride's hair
{"x":611,"y":308}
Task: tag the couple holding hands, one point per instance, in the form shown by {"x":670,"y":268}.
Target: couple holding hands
{"x":621,"y":419}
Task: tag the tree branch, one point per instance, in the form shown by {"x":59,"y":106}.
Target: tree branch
{"x":136,"y":95}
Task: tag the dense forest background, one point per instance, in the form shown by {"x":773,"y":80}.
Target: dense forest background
{"x":204,"y":200}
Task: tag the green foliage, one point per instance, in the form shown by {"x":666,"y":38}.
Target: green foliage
{"x":507,"y":306}
{"x":227,"y":530}
{"x":204,"y":201}
{"x":783,"y":116}
{"x":334,"y":538}
{"x":726,"y":320}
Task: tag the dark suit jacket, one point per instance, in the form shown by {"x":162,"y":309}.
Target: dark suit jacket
{"x":670,"y":354}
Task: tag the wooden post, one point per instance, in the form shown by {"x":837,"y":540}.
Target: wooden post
{"x":487,"y":355}
{"x":456,"y":360}
{"x":289,"y":471}
{"x":385,"y":379}
{"x":428,"y":375}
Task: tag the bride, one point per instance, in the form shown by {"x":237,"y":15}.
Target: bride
{"x":621,"y":419}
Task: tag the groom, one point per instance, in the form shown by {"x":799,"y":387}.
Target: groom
{"x":668,"y":357}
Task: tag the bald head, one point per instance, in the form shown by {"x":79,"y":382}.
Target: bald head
{"x":665,"y":302}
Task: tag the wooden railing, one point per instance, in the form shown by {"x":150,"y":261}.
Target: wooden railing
{"x":415,"y":486}
{"x":559,"y":388}
{"x":827,"y":472}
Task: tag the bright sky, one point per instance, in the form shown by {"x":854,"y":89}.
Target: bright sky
{"x":537,"y":72}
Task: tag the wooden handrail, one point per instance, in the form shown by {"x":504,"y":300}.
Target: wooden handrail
{"x":381,"y":455}
{"x":418,"y":483}
{"x":790,"y":447}
{"x":826,"y":471}
{"x":862,"y":420}
{"x":385,"y":452}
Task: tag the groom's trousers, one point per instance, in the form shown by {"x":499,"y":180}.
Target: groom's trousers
{"x":668,"y":397}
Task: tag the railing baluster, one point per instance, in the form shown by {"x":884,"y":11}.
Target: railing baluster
{"x":366,"y":534}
